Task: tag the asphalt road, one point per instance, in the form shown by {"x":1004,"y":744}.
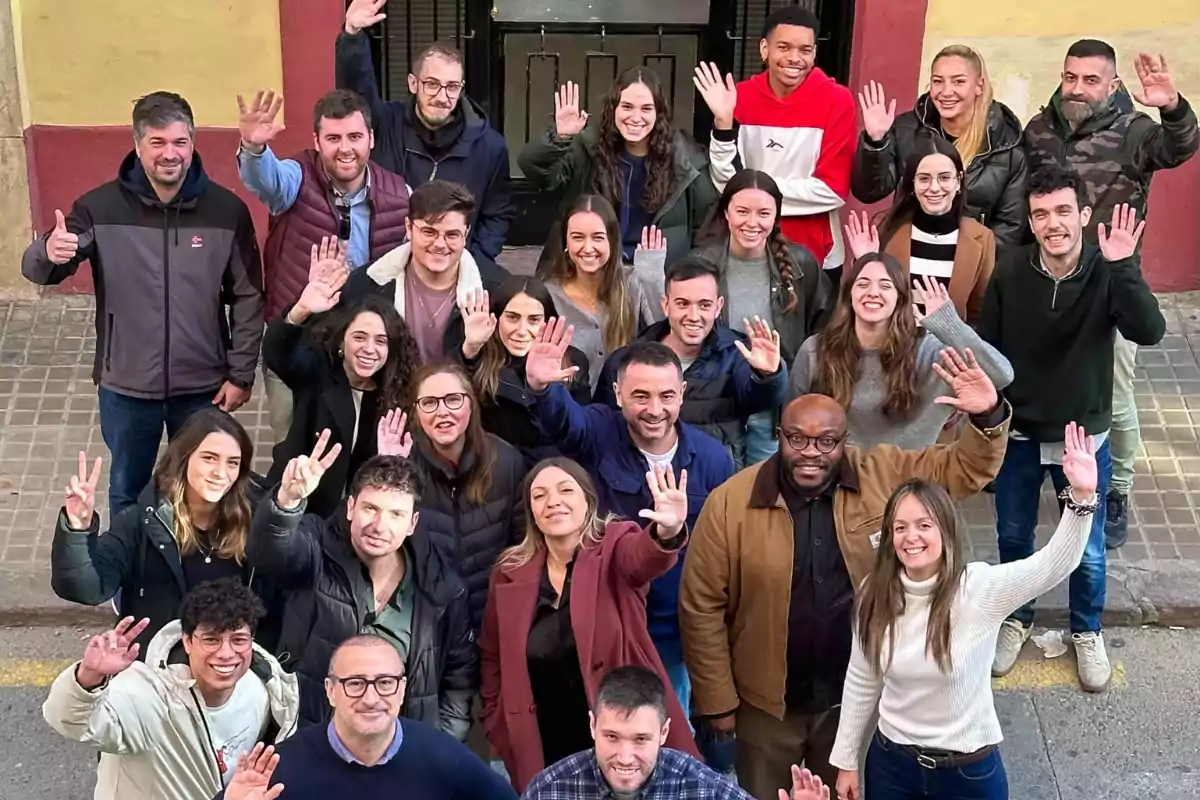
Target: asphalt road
{"x":1141,"y":739}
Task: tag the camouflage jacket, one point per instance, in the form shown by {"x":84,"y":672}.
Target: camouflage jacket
{"x":1116,"y":152}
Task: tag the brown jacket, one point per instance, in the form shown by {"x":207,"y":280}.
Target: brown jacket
{"x":974,"y":260}
{"x":737,"y":577}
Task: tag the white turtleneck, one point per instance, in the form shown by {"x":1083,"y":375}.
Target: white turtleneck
{"x":920,"y":705}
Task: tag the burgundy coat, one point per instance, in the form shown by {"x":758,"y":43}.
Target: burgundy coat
{"x":291,"y":235}
{"x":608,"y":614}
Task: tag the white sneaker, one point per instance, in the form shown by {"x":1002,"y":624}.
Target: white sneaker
{"x":1094,"y":669}
{"x":1008,"y":646}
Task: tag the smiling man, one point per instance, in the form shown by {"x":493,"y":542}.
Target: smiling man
{"x":768,"y":586}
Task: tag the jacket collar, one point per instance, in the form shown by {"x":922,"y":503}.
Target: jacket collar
{"x":766,"y":491}
{"x":1119,"y":104}
{"x":719,"y":339}
{"x":393,"y":266}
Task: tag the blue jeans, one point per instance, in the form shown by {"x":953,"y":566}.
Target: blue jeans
{"x":893,"y":773}
{"x":1018,"y":490}
{"x":761,"y":443}
{"x":132,"y":428}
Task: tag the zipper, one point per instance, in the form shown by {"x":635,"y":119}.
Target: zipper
{"x":212,"y":748}
{"x":108,"y":343}
{"x":166,"y":302}
{"x":436,"y":162}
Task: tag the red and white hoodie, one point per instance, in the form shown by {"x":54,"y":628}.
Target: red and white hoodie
{"x":806,"y":142}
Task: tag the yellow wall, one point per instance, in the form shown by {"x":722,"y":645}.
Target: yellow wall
{"x":1024,"y":41}
{"x":86,"y":61}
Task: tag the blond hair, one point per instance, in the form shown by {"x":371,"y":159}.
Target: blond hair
{"x":975,"y":137}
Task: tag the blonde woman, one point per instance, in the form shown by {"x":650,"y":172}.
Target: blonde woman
{"x":960,"y":108}
{"x":566,"y":606}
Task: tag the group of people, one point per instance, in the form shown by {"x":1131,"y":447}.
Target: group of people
{"x":672,"y":519}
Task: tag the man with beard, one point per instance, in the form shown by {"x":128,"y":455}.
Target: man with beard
{"x":619,"y":446}
{"x":332,"y":189}
{"x":435,"y":131}
{"x":767,"y":595}
{"x":178,"y":316}
{"x":1090,"y":126}
{"x":629,"y":726}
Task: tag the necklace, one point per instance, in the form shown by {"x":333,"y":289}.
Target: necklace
{"x":431,"y":322}
{"x":208,"y":555}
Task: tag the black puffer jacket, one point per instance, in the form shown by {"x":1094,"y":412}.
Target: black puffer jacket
{"x":995,"y":180}
{"x":328,"y":597}
{"x":471,"y":536}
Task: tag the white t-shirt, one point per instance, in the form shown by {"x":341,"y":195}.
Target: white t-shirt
{"x":357,"y":395}
{"x":239,"y":724}
{"x":662,"y":461}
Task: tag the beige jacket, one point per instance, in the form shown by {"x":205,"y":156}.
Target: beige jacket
{"x":149,"y":725}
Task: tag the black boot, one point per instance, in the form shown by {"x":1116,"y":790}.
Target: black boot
{"x":1116,"y":523}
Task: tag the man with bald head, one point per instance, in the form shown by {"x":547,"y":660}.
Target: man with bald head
{"x":768,"y":583}
{"x":367,"y":749}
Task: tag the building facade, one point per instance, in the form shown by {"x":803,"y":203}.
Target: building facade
{"x":70,"y":70}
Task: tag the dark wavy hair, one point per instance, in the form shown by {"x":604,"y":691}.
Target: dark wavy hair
{"x":391,"y":381}
{"x":221,"y":606}
{"x":717,"y":229}
{"x":838,"y":350}
{"x":230,"y":525}
{"x":660,"y":161}
{"x":907,"y":204}
{"x":479,"y":478}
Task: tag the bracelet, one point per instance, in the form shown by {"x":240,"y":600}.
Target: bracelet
{"x":1082,"y":509}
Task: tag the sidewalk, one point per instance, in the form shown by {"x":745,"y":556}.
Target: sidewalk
{"x":46,"y":351}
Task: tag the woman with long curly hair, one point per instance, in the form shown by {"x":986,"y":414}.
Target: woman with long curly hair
{"x":189,"y":526}
{"x":653,"y":174}
{"x":347,"y":369}
{"x":876,"y":356}
{"x":764,"y":275}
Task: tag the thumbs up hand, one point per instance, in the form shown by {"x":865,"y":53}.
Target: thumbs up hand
{"x":61,"y":244}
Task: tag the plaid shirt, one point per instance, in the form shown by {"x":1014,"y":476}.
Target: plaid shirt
{"x":676,"y":776}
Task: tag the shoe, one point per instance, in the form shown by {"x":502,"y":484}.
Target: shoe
{"x":1116,"y":521}
{"x":1094,"y":670}
{"x":1008,"y":646}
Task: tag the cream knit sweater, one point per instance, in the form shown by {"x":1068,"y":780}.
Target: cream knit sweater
{"x":918,"y":704}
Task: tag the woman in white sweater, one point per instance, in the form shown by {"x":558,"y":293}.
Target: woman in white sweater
{"x":925,"y":633}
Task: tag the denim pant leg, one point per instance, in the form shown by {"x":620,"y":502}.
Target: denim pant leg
{"x":1018,"y":488}
{"x":983,"y":780}
{"x":1088,"y":586}
{"x":178,"y":409}
{"x":761,"y":443}
{"x":132,"y":428}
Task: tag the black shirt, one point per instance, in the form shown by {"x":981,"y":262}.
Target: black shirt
{"x":822,"y":598}
{"x":555,"y":676}
{"x":203,"y":565}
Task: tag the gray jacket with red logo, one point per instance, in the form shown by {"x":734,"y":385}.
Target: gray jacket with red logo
{"x":164,"y":275}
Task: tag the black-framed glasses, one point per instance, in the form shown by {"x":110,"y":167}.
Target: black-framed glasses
{"x":433,"y":87}
{"x":356,"y":685}
{"x":453,"y":402}
{"x":798,"y":441}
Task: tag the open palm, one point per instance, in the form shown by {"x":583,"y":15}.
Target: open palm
{"x":974,"y":392}
{"x":253,"y":775}
{"x":1079,"y":462}
{"x":113,"y":652}
{"x":670,"y":502}
{"x":763,"y":354}
{"x":256,"y":120}
{"x":544,"y":361}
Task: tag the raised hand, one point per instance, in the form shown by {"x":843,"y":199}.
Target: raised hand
{"x":110,"y":653}
{"x":303,"y":474}
{"x":362,"y":14}
{"x":81,"y":494}
{"x":253,"y":775}
{"x":974,"y":392}
{"x":256,"y":122}
{"x":652,"y":239}
{"x":327,"y":274}
{"x":391,"y":436}
{"x":1158,"y":88}
{"x":1120,"y":240}
{"x":61,"y":244}
{"x":670,"y":502}
{"x":544,"y":361}
{"x":878,"y":114}
{"x":931,"y":293}
{"x":568,"y":118}
{"x":861,"y":236}
{"x":848,"y":786}
{"x":806,"y":786}
{"x":479,"y":323}
{"x":764,"y":351}
{"x":719,"y":95}
{"x":1079,"y":463}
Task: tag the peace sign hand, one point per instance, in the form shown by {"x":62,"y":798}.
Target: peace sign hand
{"x":81,"y":494}
{"x":479,"y":323}
{"x":878,"y":114}
{"x":568,"y":118}
{"x":110,"y":653}
{"x":1158,"y":88}
{"x":253,"y":775}
{"x":974,"y":392}
{"x":933,"y":294}
{"x":1079,"y":463}
{"x":763,"y":353}
{"x":861,"y":236}
{"x":544,"y":361}
{"x":256,"y":122}
{"x":391,"y":438}
{"x":1120,"y":240}
{"x":670,"y":502}
{"x":805,"y":786}
{"x":303,"y":473}
{"x":719,"y":95}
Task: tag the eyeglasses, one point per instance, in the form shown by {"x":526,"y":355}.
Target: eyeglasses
{"x":798,"y":441}
{"x":924,"y":181}
{"x":356,"y":686}
{"x":431,"y":235}
{"x":453,"y":402}
{"x":239,"y":642}
{"x":433,"y":87}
